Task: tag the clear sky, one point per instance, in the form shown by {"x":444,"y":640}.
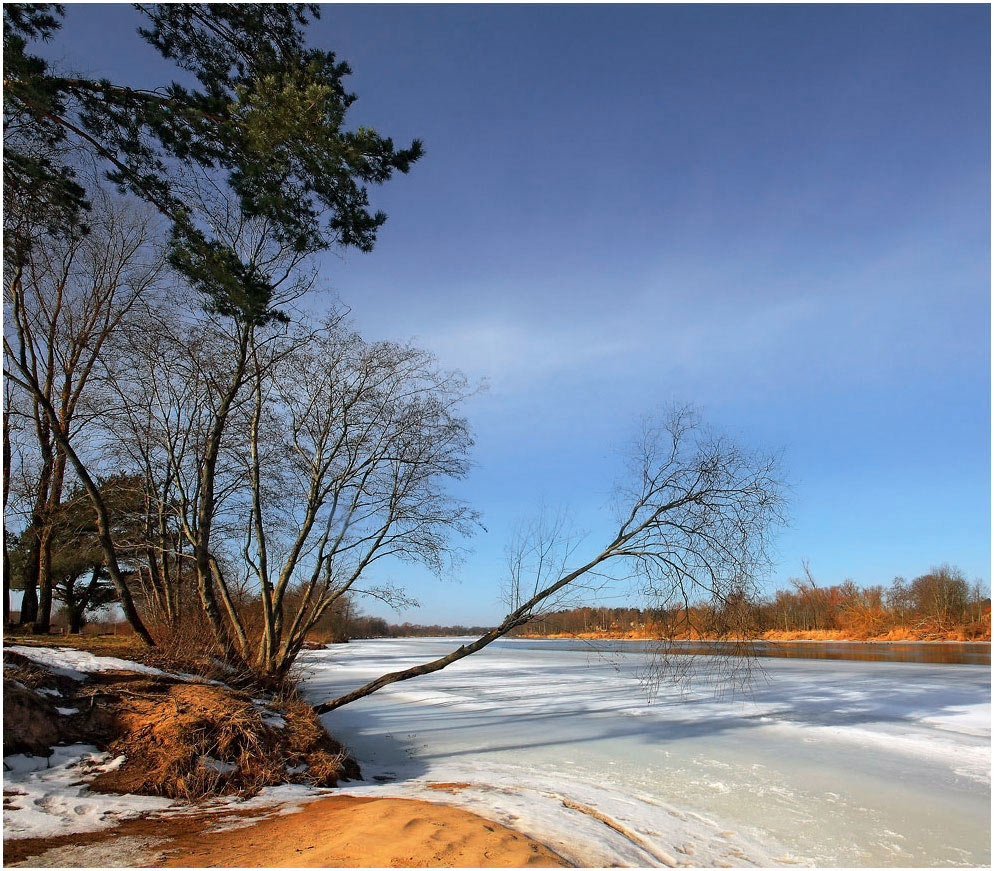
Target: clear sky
{"x":780,"y":213}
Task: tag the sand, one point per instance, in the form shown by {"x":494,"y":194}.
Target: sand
{"x":334,"y":832}
{"x":344,"y":832}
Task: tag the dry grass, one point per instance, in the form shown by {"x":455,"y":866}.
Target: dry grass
{"x":189,"y":741}
{"x":100,"y":645}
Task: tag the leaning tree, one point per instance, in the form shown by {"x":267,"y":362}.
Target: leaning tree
{"x":695,"y":518}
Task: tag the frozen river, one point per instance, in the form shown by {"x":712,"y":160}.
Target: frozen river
{"x":829,"y":763}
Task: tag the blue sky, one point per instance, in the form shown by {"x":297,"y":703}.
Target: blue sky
{"x":780,"y":213}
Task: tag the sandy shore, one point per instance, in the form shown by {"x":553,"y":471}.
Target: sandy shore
{"x":344,"y":831}
{"x":333,"y":832}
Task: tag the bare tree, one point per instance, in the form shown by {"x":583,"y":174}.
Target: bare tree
{"x":695,"y":514}
{"x":191,"y":369}
{"x":281,"y":263}
{"x":8,"y":468}
{"x":350,"y":445}
{"x":172,"y":389}
{"x":65,"y":294}
{"x":332,"y":456}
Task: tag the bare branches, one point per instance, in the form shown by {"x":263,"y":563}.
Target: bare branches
{"x":539,"y":554}
{"x":356,"y":442}
{"x":67,"y":295}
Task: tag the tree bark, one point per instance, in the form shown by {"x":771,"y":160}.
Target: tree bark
{"x":205,"y":510}
{"x":6,"y":497}
{"x":518,"y":617}
{"x":36,"y":529}
{"x":43,"y":618}
{"x":43,"y":621}
{"x":29,"y":597}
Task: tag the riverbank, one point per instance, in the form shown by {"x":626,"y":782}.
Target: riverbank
{"x":332,"y":832}
{"x":901,"y":635}
{"x":946,"y":652}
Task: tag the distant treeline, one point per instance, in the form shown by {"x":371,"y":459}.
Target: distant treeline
{"x":377,"y":627}
{"x":343,"y":625}
{"x":939,"y":604}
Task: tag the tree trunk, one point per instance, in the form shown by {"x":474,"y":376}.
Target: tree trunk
{"x":6,"y":580}
{"x":205,"y":510}
{"x":29,"y":598}
{"x":417,"y":670}
{"x":43,"y":621}
{"x":521,"y":615}
{"x":33,"y":567}
{"x":43,"y":618}
{"x":6,"y":497}
{"x":29,"y":603}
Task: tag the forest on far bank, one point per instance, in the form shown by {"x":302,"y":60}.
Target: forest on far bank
{"x":938,"y":605}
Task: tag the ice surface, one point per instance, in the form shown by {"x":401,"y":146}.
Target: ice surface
{"x":824,"y":762}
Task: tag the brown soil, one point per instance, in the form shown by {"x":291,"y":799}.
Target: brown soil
{"x":334,"y":832}
{"x":31,"y":723}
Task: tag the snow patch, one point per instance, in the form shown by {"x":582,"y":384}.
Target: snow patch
{"x":77,"y":664}
{"x":269,"y":717}
{"x":47,"y":796}
{"x":218,"y":765}
{"x":44,"y":797}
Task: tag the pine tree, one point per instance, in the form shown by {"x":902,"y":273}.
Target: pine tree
{"x":266,"y":118}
